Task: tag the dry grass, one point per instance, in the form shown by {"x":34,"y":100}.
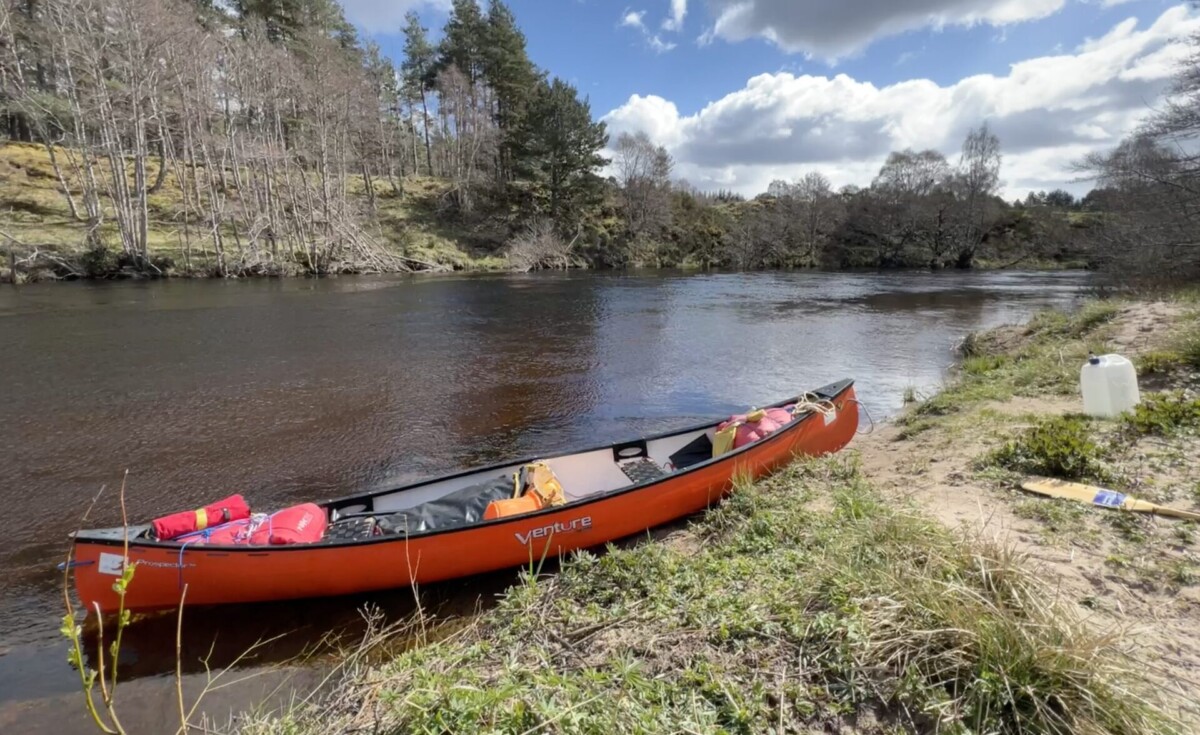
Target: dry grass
{"x":34,"y":212}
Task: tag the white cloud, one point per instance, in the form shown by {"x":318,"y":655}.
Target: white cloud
{"x":1048,"y":111}
{"x":834,"y":29}
{"x":659,"y":45}
{"x":374,"y":16}
{"x":678,"y":13}
{"x":635,"y":19}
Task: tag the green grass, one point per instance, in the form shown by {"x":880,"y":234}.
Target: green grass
{"x":1075,"y":325}
{"x":783,"y":614}
{"x":1158,"y":362}
{"x":1044,"y":359}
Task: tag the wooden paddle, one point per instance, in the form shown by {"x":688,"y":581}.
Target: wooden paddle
{"x":1101,"y":497}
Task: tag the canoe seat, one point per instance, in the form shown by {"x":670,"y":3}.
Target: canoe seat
{"x":351,"y":529}
{"x":642,"y":469}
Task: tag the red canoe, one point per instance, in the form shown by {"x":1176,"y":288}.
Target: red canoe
{"x":435,"y":530}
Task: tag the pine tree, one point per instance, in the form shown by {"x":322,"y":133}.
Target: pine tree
{"x":560,"y":154}
{"x":512,"y":77}
{"x":464,"y":39}
{"x":417,"y":73}
{"x":288,"y":20}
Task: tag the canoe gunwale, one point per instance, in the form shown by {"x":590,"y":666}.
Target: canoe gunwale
{"x":831,"y":392}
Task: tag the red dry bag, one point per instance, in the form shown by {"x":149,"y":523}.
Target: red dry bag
{"x":233,"y":508}
{"x":300,"y":524}
{"x":756,"y":425}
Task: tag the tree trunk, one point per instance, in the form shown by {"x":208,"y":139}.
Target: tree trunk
{"x":425,"y":129}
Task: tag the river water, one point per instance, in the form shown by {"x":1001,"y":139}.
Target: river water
{"x":298,"y":389}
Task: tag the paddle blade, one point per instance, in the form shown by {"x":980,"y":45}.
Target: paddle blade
{"x":1102,"y":497}
{"x":1074,"y":491}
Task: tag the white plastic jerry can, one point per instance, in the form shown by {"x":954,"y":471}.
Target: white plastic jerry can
{"x":1109,"y":385}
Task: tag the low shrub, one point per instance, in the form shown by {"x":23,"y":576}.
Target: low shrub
{"x":1164,"y":414}
{"x":99,"y":262}
{"x":1059,"y":446}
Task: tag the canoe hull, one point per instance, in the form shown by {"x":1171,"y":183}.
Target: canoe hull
{"x":216,"y":575}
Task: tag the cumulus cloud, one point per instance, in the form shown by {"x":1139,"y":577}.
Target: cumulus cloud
{"x":834,"y":29}
{"x":1048,"y":111}
{"x":385,"y":17}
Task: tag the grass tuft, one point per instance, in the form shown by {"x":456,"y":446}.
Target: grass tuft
{"x":1081,"y":323}
{"x":1189,"y":348}
{"x":982,"y":365}
{"x":1158,"y":362}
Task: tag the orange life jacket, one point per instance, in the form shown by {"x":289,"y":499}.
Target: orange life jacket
{"x":534,"y":487}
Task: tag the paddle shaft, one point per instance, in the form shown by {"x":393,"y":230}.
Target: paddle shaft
{"x":1142,"y":506}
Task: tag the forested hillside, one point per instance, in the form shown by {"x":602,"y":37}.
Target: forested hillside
{"x":265,"y":137}
{"x":278,"y":132}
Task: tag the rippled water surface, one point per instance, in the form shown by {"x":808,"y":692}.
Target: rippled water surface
{"x":303,"y":389}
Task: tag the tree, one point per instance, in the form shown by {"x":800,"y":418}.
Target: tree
{"x":464,"y":40}
{"x":468,"y":133}
{"x":644,"y":175}
{"x":1059,"y":198}
{"x":417,"y":77}
{"x":288,"y":20}
{"x":560,"y":154}
{"x":377,"y":126}
{"x":818,"y":211}
{"x":512,"y":78}
{"x":1149,"y":189}
{"x":908,"y":207}
{"x":978,"y":180}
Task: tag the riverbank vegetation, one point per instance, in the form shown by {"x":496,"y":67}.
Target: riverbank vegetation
{"x":162,"y":137}
{"x":806,"y":602}
{"x":905,"y":585}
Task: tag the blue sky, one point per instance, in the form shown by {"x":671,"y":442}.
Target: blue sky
{"x":746,"y":91}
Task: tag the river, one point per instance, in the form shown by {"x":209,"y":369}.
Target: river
{"x":296,"y":389}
